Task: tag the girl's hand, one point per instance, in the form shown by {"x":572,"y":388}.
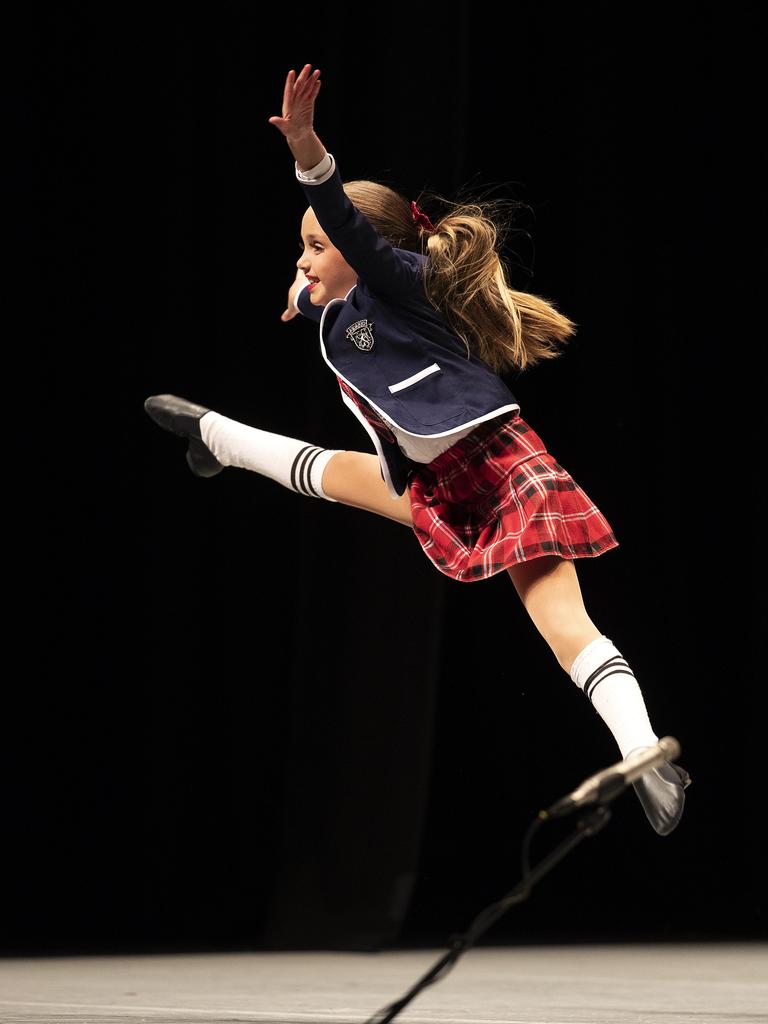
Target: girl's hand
{"x":298,"y":104}
{"x":291,"y":311}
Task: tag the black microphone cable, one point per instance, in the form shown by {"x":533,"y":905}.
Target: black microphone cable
{"x":595,"y":820}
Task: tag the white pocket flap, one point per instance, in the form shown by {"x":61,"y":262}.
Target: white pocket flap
{"x":434,"y":368}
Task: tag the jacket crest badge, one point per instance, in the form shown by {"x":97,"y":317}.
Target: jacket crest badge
{"x":361,"y":333}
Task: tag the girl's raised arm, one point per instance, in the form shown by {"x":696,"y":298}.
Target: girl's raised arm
{"x":367,"y":251}
{"x":298,"y":114}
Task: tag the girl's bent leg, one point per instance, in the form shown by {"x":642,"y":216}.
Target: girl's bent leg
{"x":549,"y":589}
{"x":551,"y":594}
{"x":354,"y":478}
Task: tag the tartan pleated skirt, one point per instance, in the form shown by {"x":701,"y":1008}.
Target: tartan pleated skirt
{"x":498,"y":497}
{"x":494,"y":498}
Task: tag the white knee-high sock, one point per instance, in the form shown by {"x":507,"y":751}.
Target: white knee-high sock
{"x":603,"y":674}
{"x":295,"y":464}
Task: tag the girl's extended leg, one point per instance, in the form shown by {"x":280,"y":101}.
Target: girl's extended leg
{"x":549,"y":588}
{"x":353,"y":478}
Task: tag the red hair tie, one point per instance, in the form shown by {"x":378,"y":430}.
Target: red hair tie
{"x":421,"y":218}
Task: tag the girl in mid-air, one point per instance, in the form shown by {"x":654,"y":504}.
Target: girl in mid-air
{"x":417,"y":322}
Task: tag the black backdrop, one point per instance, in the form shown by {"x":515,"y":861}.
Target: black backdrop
{"x":239,"y":717}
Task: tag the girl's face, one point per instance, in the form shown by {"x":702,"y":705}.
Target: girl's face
{"x":322,"y":261}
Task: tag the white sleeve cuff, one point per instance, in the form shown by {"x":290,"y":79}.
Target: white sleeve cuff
{"x":319,"y":173}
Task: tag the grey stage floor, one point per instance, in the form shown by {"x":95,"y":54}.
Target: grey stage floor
{"x":622,"y":984}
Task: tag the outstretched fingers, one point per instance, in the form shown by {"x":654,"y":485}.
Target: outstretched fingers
{"x":300,"y":90}
{"x":287,"y":92}
{"x":298,"y":102}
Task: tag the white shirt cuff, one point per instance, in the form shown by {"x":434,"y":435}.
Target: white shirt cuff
{"x":321,"y":172}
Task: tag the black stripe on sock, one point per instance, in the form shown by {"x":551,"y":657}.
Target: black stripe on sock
{"x":304,"y":454}
{"x":303,"y":481}
{"x":616,"y":672}
{"x":615,"y":659}
{"x":309,"y":464}
{"x":613,"y":666}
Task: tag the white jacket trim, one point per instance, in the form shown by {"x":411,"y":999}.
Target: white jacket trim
{"x":377,"y":444}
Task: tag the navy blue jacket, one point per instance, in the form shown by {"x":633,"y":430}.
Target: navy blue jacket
{"x":389,"y":344}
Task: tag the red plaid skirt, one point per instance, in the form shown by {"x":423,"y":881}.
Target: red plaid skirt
{"x":497,"y":497}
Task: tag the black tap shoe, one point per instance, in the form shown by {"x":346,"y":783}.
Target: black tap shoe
{"x":661,"y":792}
{"x":181,"y":417}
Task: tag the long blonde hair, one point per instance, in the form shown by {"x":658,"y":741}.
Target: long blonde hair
{"x":465,"y":278}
